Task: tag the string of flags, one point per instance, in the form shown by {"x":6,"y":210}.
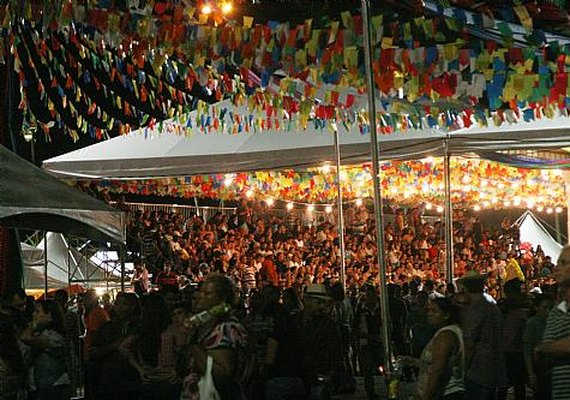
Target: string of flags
{"x":148,"y":66}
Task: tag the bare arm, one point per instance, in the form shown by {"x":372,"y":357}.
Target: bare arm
{"x":224,"y":361}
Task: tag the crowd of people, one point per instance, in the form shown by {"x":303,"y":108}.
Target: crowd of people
{"x":252,"y":306}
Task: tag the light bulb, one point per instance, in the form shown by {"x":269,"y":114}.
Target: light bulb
{"x":429,"y":206}
{"x":227,"y":8}
{"x":289,"y":206}
{"x":206,"y":9}
{"x":440,"y":209}
{"x":328,"y":209}
{"x":269,"y":201}
{"x":249,"y":193}
{"x":358,"y":202}
{"x":310,"y":208}
{"x":558,"y":210}
{"x":549,"y":210}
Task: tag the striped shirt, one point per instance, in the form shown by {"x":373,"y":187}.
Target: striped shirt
{"x":558,"y":327}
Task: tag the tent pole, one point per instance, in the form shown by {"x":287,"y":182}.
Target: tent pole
{"x":340,"y":212}
{"x":45,"y":266}
{"x":557,"y":225}
{"x":448,"y":215}
{"x":368,"y":56}
{"x":122,"y":257}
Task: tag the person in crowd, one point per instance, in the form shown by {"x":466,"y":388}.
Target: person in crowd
{"x":398,"y":312}
{"x":442,"y":362}
{"x":115,"y":375}
{"x":13,"y":303}
{"x":367,"y":330}
{"x":515,"y":309}
{"x":260,"y":323}
{"x":538,"y":378}
{"x":342,"y":314}
{"x":282,"y":368}
{"x":485,"y":367}
{"x":555,"y":349}
{"x":167,"y":278}
{"x":72,"y":334}
{"x":156,"y":349}
{"x":322,"y":342}
{"x":421,"y":331}
{"x":140,"y":281}
{"x":219,"y":335}
{"x":49,"y":377}
{"x":12,"y":369}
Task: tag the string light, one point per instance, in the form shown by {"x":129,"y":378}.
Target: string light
{"x":227,"y":8}
{"x":558,"y":210}
{"x":328,"y":209}
{"x":206,"y":9}
{"x":269,"y":201}
{"x":290,"y":206}
{"x":549,"y":210}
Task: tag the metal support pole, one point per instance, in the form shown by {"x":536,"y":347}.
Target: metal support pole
{"x":557,"y":225}
{"x":368,"y":55}
{"x":448,"y":216}
{"x":45,"y":265}
{"x":122,"y":256}
{"x":340,"y":212}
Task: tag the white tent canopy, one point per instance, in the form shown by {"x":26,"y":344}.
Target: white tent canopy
{"x":534,"y":232}
{"x":148,"y":153}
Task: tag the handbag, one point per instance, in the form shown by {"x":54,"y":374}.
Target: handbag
{"x":206,"y":386}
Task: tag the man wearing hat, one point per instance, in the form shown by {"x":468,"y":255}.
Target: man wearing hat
{"x":556,"y":340}
{"x":484,"y":351}
{"x":322,"y":341}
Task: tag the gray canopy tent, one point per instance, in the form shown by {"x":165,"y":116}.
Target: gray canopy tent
{"x":33,"y":199}
{"x":149,"y":153}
